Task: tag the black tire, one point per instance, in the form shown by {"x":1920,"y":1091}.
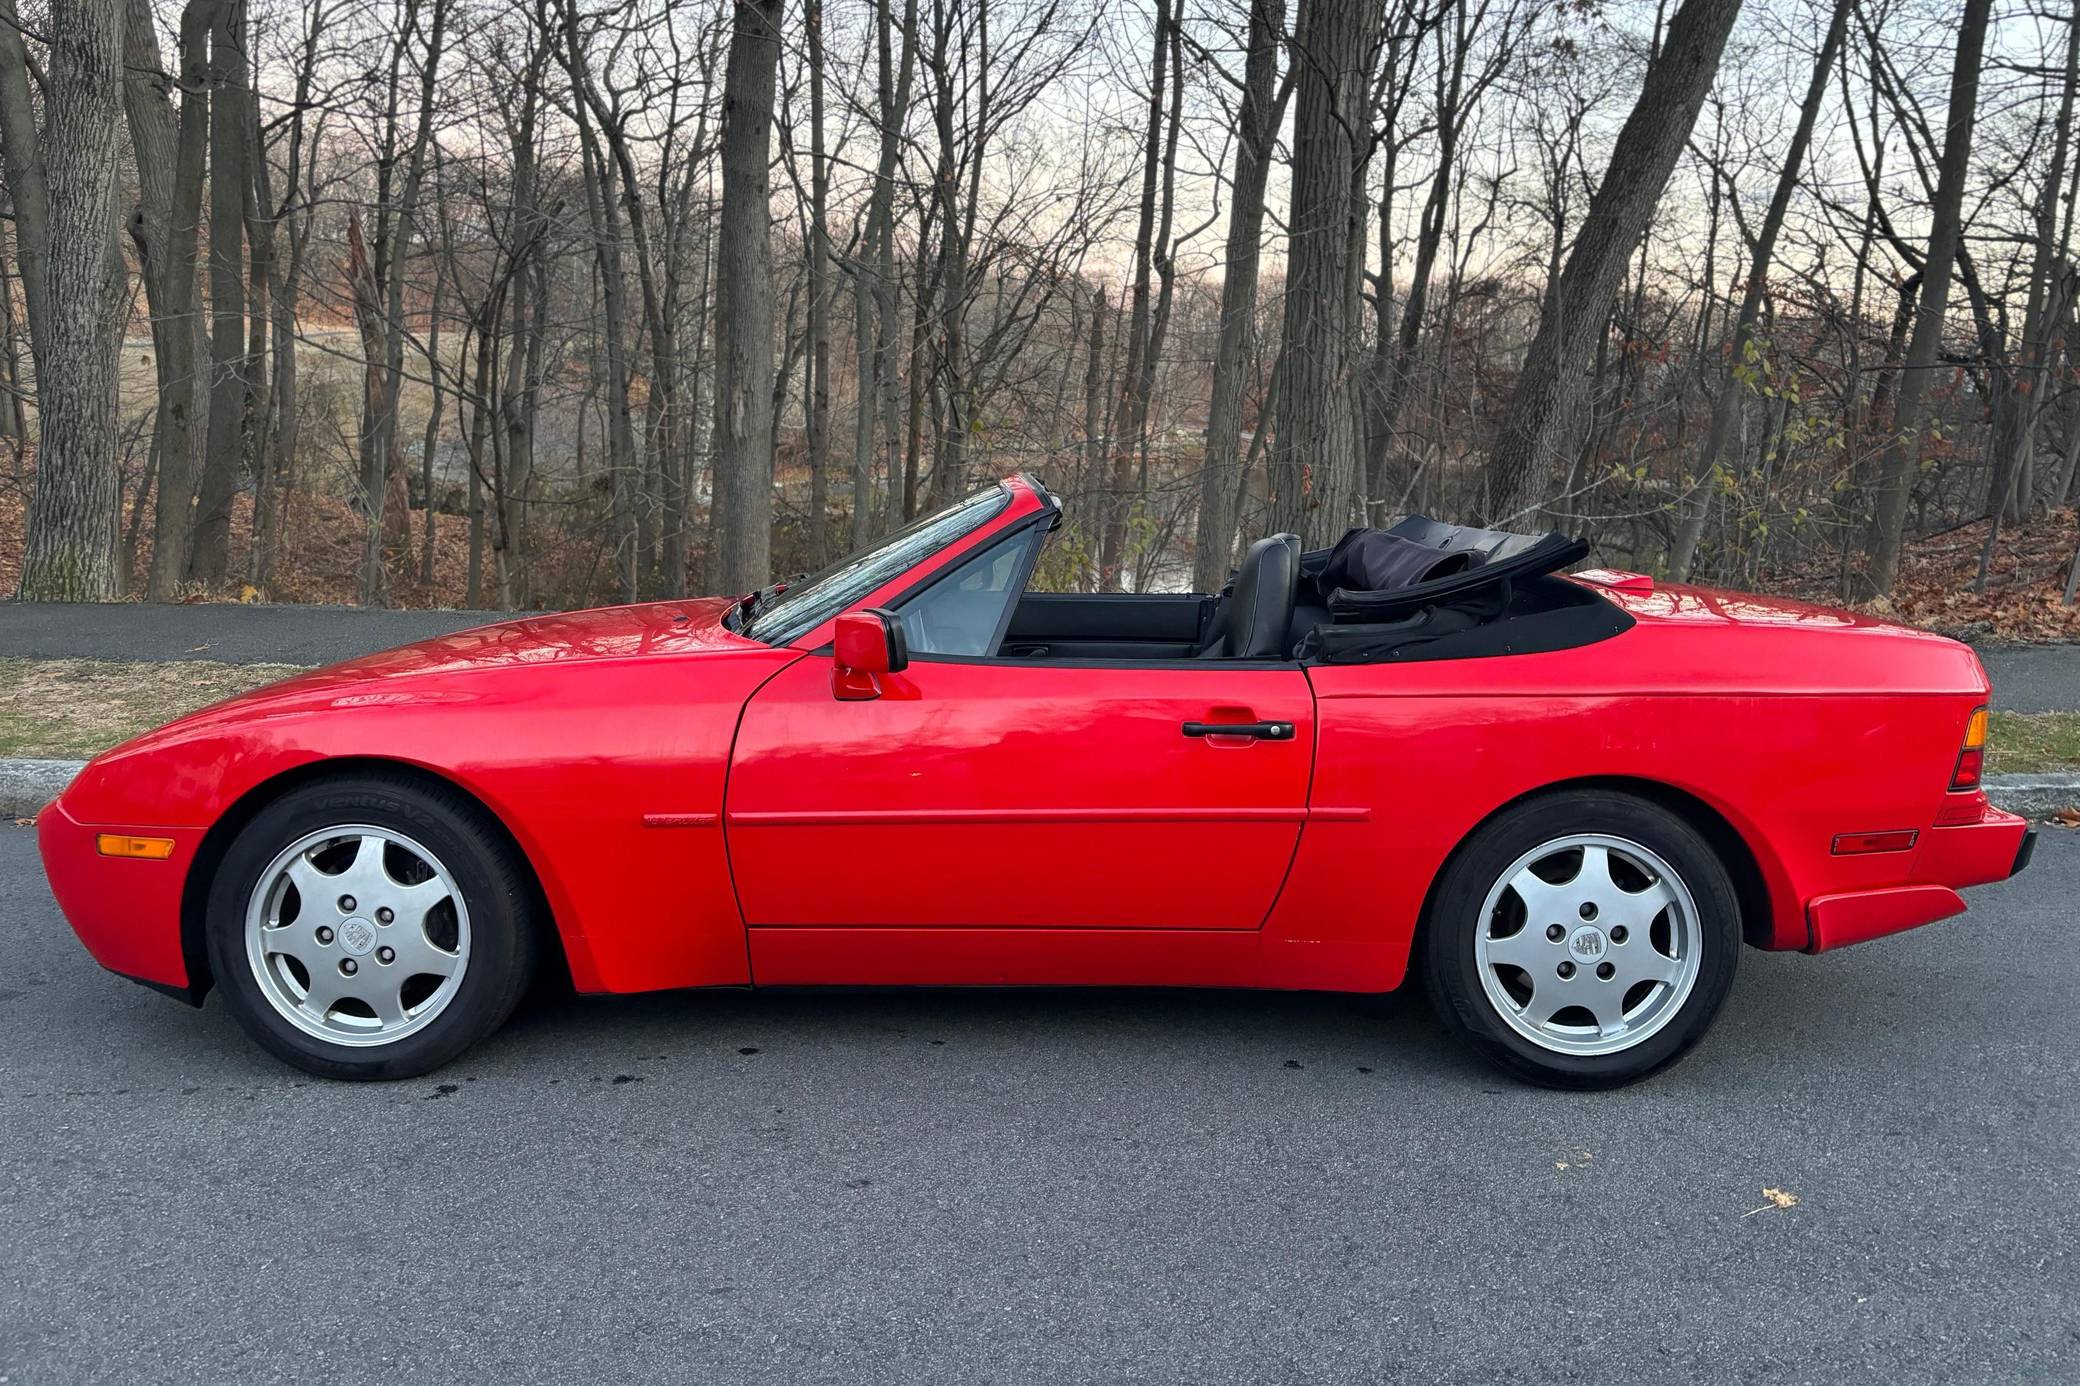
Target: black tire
{"x":1452,"y":972}
{"x":489,"y":875}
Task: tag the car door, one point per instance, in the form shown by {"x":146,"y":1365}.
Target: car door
{"x":990,"y":793}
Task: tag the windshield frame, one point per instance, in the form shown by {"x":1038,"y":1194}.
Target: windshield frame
{"x":1015,"y":499}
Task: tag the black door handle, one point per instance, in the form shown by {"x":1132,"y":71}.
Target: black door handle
{"x":1259,"y":731}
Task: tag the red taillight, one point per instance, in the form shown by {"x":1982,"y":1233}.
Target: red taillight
{"x":1971,"y":761}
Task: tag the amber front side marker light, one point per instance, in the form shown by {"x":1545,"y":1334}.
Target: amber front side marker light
{"x":123,"y":845}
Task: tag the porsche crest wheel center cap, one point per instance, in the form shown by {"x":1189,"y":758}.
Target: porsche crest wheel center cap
{"x":357,"y":936}
{"x":1585,"y":945}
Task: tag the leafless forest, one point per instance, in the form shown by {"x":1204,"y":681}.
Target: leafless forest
{"x":549,"y":302}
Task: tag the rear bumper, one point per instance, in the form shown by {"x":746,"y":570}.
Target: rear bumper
{"x":2024,"y":852}
{"x":1946,"y":861}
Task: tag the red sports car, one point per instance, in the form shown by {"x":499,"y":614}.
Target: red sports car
{"x":1569,"y":802}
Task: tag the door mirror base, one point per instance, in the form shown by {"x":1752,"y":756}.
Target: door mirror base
{"x":868,"y":644}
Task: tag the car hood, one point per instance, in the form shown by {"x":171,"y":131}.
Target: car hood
{"x":413,"y":673}
{"x":612,"y":632}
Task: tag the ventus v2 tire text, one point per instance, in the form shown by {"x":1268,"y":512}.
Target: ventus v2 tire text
{"x":1583,"y":939}
{"x":372,"y":926}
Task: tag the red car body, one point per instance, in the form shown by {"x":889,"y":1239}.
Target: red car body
{"x":702,"y":809}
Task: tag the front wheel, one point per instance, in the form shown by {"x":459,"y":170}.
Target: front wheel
{"x":1583,"y":940}
{"x":371,"y":927}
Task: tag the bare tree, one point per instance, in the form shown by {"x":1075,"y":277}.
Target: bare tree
{"x":818,"y":357}
{"x":69,"y":553}
{"x":1151,"y":254}
{"x":1726,"y":400}
{"x":169,"y":151}
{"x":1256,"y":131}
{"x":209,"y":555}
{"x":1542,"y":426}
{"x":1888,"y":521}
{"x":744,"y":304}
{"x":1313,"y":461}
{"x":28,"y":180}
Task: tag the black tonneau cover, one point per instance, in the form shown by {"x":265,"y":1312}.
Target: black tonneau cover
{"x":1508,"y":602}
{"x":1504,"y":557}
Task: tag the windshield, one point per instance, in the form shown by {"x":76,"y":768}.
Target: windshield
{"x":807,"y":604}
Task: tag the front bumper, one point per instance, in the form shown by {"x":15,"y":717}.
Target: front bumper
{"x":126,"y":910}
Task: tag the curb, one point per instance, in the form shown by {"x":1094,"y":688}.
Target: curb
{"x":2034,"y":796}
{"x":27,"y":785}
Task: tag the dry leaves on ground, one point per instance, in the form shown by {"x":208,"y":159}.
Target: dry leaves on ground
{"x":2024,"y":598}
{"x":1778,"y":1199}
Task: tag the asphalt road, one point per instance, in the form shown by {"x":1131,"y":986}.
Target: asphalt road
{"x":225,"y":632}
{"x":1057,"y":1186}
{"x":2032,"y":678}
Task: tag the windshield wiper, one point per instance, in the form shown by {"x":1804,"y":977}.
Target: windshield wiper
{"x":747,"y":608}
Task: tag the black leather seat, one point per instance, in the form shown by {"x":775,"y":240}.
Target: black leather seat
{"x":1252,"y":618}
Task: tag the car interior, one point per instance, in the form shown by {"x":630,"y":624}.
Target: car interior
{"x":1281,"y":604}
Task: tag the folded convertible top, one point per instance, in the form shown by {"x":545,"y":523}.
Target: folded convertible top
{"x":1502,"y":600}
{"x":1501,"y":558}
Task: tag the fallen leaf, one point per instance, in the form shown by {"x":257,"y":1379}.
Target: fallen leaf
{"x":1778,"y":1198}
{"x":2067,"y":817}
{"x":28,"y":822}
{"x":1559,"y":1164}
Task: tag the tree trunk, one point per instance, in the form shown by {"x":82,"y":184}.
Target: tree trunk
{"x":169,"y":160}
{"x":479,"y":434}
{"x":1094,"y":395}
{"x":1888,"y":522}
{"x":1131,"y":415}
{"x":24,"y":154}
{"x":1726,"y":402}
{"x":1313,"y":462}
{"x":600,"y":206}
{"x":817,"y":400}
{"x":949,"y":378}
{"x":1255,"y":132}
{"x":744,"y":305}
{"x":70,"y":553}
{"x":1541,"y":427}
{"x":14,"y":418}
{"x":2023,"y":393}
{"x":382,"y":479}
{"x":210,"y":556}
{"x":897,"y":79}
{"x":1451,"y":118}
{"x":430,"y":440}
{"x":261,"y":241}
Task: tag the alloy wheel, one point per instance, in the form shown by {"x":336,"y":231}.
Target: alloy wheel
{"x":357,"y":935}
{"x":1588,"y":944}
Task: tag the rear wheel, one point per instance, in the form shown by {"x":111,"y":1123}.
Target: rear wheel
{"x":1585,"y":939}
{"x":371,"y":927}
